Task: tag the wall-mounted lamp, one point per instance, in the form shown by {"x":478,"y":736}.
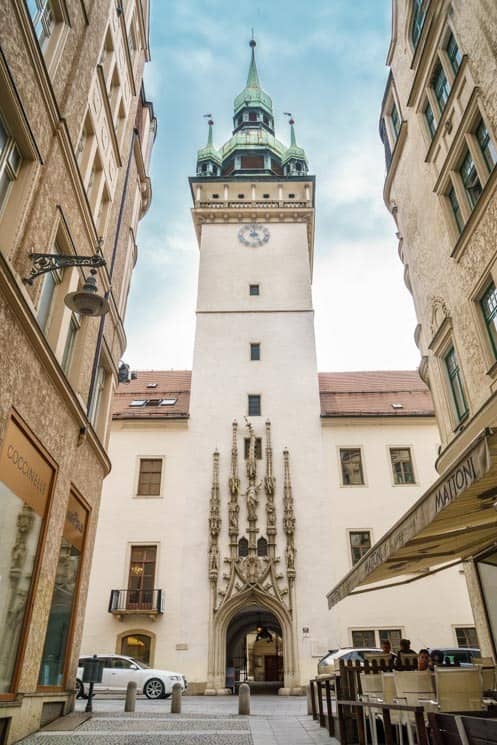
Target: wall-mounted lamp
{"x":86,"y":301}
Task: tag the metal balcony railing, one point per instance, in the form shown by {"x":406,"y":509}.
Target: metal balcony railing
{"x":150,"y":602}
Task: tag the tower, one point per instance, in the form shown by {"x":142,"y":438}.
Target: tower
{"x":254,"y":411}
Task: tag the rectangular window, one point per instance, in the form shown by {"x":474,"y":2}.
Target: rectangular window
{"x":10,"y":163}
{"x":141,"y":577}
{"x":254,"y":405}
{"x":43,"y":18}
{"x":403,"y":472}
{"x":391,"y":635}
{"x":456,"y":210}
{"x":441,"y":87}
{"x":258,"y":448}
{"x":363,"y":638}
{"x":453,"y":53}
{"x":254,"y":290}
{"x":430,"y":119}
{"x":360,"y":543}
{"x":98,"y":390}
{"x":255,"y":351}
{"x":64,"y":595}
{"x":149,"y":478}
{"x":466,"y":637}
{"x":488,"y":305}
{"x":395,"y":118}
{"x":487,"y":147}
{"x":470,"y":179}
{"x":70,"y":341}
{"x":351,"y":463}
{"x":455,"y":382}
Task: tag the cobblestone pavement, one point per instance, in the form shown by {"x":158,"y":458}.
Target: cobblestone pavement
{"x":274,"y":720}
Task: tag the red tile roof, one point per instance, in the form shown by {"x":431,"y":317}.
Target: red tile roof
{"x":170,"y":384}
{"x":342,"y":394}
{"x":374,"y":393}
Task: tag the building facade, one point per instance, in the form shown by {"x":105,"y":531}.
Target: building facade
{"x":240,"y":487}
{"x":439,"y":128}
{"x":76,"y":133}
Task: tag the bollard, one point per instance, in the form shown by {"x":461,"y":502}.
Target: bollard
{"x":309,"y":701}
{"x":244,"y":699}
{"x":176,"y":699}
{"x":130,"y":703}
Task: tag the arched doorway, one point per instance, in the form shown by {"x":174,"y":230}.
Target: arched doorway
{"x":254,"y":650}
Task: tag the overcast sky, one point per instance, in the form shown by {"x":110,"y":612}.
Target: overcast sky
{"x":325,"y":62}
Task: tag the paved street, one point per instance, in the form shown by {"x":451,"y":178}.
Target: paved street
{"x":274,"y":720}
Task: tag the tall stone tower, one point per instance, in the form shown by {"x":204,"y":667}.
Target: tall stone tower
{"x":254,"y":411}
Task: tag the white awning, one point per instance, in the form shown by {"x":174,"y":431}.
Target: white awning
{"x":452,"y":521}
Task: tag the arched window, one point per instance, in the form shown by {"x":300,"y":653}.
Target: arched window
{"x":137,"y":646}
{"x":418,"y":20}
{"x":243,"y":547}
{"x":262,"y":547}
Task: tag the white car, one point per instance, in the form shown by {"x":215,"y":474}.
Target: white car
{"x":119,"y":669}
{"x":330,"y":663}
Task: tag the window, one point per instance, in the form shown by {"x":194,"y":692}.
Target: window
{"x":45,"y":300}
{"x":360,"y":543}
{"x":255,"y":351}
{"x":43,"y":18}
{"x":466,"y":636}
{"x":488,"y":305}
{"x":254,"y":290}
{"x":138,"y":402}
{"x":395,"y":119}
{"x":430,"y":119}
{"x":149,"y":478}
{"x":351,"y":463}
{"x":97,"y":394}
{"x":254,"y":405}
{"x":403,"y":472}
{"x":262,"y":547}
{"x":418,"y":20}
{"x":141,"y":577}
{"x":258,"y":448}
{"x":470,"y":179}
{"x":393,"y":636}
{"x":441,"y":86}
{"x":70,"y":341}
{"x":136,"y":646}
{"x":455,"y":382}
{"x":168,"y":401}
{"x":363,"y":638}
{"x":487,"y":147}
{"x":453,"y":53}
{"x":10,"y":163}
{"x":456,"y":210}
{"x":243,"y":547}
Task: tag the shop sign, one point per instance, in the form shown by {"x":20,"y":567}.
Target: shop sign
{"x":75,"y":525}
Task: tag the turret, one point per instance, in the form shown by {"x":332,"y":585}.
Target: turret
{"x":294,"y":161}
{"x":208,"y":158}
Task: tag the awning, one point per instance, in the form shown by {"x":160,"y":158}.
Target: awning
{"x":452,"y":521}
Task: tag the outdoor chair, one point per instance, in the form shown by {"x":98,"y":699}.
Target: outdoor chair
{"x":372,"y":690}
{"x":389,"y":696}
{"x":414,"y":688}
{"x":458,"y":689}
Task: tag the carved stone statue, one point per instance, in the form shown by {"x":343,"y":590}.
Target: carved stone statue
{"x":252,"y":500}
{"x":213,"y":559}
{"x":290,"y":556}
{"x":234,"y":509}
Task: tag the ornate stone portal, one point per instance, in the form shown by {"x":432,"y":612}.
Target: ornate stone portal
{"x":253,"y":574}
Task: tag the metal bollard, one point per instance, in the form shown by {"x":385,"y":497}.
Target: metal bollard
{"x":308,"y":695}
{"x":130,"y":703}
{"x":244,"y":699}
{"x":176,"y":699}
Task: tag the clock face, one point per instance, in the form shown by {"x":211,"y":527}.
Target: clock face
{"x":253,"y":234}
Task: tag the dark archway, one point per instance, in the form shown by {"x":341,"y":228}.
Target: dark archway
{"x":254,"y":650}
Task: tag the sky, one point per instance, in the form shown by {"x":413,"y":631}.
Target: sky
{"x":324,"y":61}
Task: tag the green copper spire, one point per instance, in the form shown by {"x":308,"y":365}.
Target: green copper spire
{"x":253,"y":76}
{"x":208,"y":157}
{"x":252,"y":95}
{"x":295,"y":155}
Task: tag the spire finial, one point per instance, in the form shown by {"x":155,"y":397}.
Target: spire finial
{"x":291,"y":122}
{"x":253,"y":76}
{"x":210,"y":122}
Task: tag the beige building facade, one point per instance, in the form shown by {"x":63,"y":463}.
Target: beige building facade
{"x":76,"y":132}
{"x":439,"y":127}
{"x":240,"y":487}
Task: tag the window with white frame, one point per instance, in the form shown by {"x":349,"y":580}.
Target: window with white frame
{"x":391,"y":635}
{"x":403,"y":471}
{"x":363,"y":638}
{"x":360,"y":543}
{"x":10,"y":162}
{"x":455,"y":382}
{"x":351,"y":465}
{"x":149,"y":477}
{"x":418,"y":19}
{"x":74,"y":325}
{"x":466,"y":636}
{"x":488,"y":305}
{"x":42,"y":14}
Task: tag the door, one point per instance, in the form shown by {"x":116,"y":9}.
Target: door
{"x":141,"y":577}
{"x":271,"y":667}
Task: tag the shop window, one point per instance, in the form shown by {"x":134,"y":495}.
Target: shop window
{"x":360,"y":543}
{"x":466,"y":636}
{"x":141,"y":577}
{"x":63,"y":605}
{"x":137,"y":646}
{"x":351,"y":465}
{"x":149,"y":477}
{"x":363,"y":638}
{"x":403,"y":471}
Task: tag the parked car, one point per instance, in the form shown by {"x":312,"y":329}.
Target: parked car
{"x":330,"y":662}
{"x":119,"y":670}
{"x":457,"y":656}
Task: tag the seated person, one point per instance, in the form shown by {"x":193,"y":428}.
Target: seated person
{"x":437,"y":657}
{"x":406,"y":655}
{"x":387,"y":649}
{"x":424,"y":660}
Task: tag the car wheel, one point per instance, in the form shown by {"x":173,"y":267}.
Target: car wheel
{"x":80,"y":689}
{"x":154,"y":688}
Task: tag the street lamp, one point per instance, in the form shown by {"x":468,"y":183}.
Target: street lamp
{"x":86,"y":301}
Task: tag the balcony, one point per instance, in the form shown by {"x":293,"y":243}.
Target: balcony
{"x":149,"y":603}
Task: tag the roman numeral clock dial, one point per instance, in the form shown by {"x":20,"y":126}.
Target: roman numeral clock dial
{"x":253,"y":234}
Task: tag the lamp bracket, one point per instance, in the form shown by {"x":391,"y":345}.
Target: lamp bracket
{"x":43,"y":263}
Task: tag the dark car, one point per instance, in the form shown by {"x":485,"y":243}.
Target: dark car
{"x":330,"y":663}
